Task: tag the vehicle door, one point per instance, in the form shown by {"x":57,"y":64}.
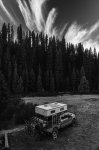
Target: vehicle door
{"x":65,"y":120}
{"x":54,"y":120}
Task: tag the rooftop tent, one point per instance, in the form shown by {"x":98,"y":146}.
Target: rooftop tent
{"x":50,"y":109}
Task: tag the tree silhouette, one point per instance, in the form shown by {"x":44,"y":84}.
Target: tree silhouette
{"x":4,"y":93}
{"x":73,"y":80}
{"x":15,"y":79}
{"x":39,"y":82}
{"x":84,"y":86}
{"x":61,"y":65}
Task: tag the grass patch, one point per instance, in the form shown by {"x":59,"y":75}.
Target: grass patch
{"x":83,"y":135}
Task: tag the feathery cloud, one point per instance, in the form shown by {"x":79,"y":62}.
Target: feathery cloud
{"x":28,"y":18}
{"x":36,"y":8}
{"x":49,"y":26}
{"x":1,"y":19}
{"x":77,"y":34}
{"x":7,"y":12}
{"x":33,"y":15}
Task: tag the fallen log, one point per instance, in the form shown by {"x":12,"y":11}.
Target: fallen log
{"x":6,"y":142}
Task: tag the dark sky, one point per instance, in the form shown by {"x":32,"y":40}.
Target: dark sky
{"x":77,"y":20}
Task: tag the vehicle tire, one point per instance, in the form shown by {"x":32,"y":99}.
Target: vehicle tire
{"x":55,"y":133}
{"x":37,"y":133}
{"x":74,"y":120}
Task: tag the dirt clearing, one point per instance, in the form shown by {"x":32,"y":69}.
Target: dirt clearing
{"x":84,"y":135}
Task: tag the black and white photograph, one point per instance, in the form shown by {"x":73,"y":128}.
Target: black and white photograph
{"x":49,"y":74}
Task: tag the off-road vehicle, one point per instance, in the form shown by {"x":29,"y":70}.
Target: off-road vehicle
{"x":49,"y":118}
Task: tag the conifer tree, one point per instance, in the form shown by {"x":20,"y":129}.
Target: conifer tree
{"x":84,"y":86}
{"x":12,"y":34}
{"x":73,"y":80}
{"x":4,"y":93}
{"x":15,"y":79}
{"x":52,"y":54}
{"x":25,"y":77}
{"x":52,"y":82}
{"x":4,"y":33}
{"x":39,"y":81}
{"x":19,"y":34}
{"x":9,"y":33}
{"x":59,"y":70}
{"x":77,"y":79}
{"x":67,"y":84}
{"x":82,"y":72}
{"x":32,"y":80}
{"x":9,"y":74}
{"x":6,"y":62}
{"x":19,"y":87}
{"x":47,"y":82}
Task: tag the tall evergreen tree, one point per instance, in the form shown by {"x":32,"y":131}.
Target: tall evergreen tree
{"x":53,"y":55}
{"x":25,"y":77}
{"x":15,"y":79}
{"x":19,"y":87}
{"x":82,"y":72}
{"x":19,"y":34}
{"x":4,"y":93}
{"x":9,"y":75}
{"x":73,"y":80}
{"x":59,"y":70}
{"x":84,"y":86}
{"x":9,"y":33}
{"x":47,"y":80}
{"x":12,"y":34}
{"x":52,"y":82}
{"x":39,"y":82}
{"x":32,"y":80}
{"x":4,"y":33}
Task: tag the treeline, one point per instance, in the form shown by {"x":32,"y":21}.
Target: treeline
{"x":38,"y":63}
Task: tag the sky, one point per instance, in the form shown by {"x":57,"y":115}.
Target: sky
{"x":76,"y":20}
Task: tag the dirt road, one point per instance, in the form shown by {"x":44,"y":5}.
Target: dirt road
{"x":2,"y":132}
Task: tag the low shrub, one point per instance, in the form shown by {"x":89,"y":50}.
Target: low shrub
{"x":16,"y":113}
{"x":24,"y":112}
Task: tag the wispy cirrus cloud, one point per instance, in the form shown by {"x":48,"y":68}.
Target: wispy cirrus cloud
{"x":7,"y":12}
{"x":28,"y":18}
{"x":91,"y":44}
{"x":36,"y":8}
{"x":33,"y":15}
{"x":49,"y":26}
{"x":77,"y":34}
{"x":33,"y":12}
{"x":35,"y":20}
{"x":1,"y":19}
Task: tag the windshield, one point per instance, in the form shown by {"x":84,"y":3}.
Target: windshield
{"x":41,"y":117}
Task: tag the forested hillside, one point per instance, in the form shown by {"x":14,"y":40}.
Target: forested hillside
{"x":37,"y":63}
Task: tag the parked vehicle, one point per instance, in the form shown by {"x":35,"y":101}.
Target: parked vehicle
{"x":51,"y":117}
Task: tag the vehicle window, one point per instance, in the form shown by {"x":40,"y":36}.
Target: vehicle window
{"x":65,"y":116}
{"x":61,"y":109}
{"x":41,"y":117}
{"x":53,"y":111}
{"x":50,"y":118}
